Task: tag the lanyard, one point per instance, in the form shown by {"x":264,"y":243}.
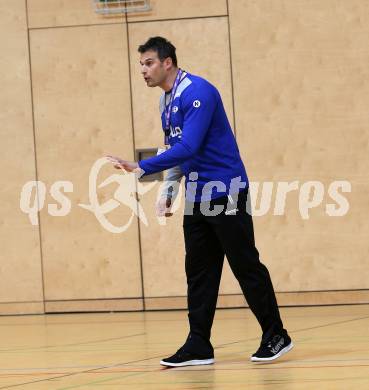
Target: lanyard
{"x":168,"y":110}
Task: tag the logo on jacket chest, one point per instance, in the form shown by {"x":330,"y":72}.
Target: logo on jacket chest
{"x":175,"y":131}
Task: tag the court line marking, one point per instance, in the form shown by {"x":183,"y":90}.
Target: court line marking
{"x":205,"y":383}
{"x":81,"y":372}
{"x":218,"y":365}
{"x":70,"y":345}
{"x":296,"y":331}
{"x":98,"y":381}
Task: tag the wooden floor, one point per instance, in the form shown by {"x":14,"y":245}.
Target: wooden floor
{"x":122,"y":351}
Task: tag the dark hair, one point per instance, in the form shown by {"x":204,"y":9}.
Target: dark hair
{"x":162,"y":46}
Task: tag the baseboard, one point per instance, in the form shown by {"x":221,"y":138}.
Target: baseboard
{"x":15,"y":308}
{"x":306,"y":298}
{"x":94,"y":305}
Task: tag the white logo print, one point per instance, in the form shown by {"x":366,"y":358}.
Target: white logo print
{"x":231,"y":212}
{"x":278,"y":346}
{"x":124,"y":194}
{"x":196,"y":103}
{"x":174,"y":109}
{"x":33,"y":198}
{"x":176,"y":131}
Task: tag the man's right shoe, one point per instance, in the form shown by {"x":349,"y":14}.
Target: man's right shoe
{"x":276,"y":347}
{"x":183,"y":358}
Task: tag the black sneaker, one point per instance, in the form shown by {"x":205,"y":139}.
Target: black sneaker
{"x":183,"y":358}
{"x":273,"y":349}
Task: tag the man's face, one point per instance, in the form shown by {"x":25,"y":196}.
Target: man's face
{"x":152,"y":69}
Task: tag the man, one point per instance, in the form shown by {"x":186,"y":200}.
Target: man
{"x":216,"y":223}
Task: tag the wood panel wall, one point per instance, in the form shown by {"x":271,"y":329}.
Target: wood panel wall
{"x":301,"y":95}
{"x":294,"y":81}
{"x":21,"y":288}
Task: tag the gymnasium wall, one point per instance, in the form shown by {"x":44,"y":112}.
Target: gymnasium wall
{"x":294,"y":80}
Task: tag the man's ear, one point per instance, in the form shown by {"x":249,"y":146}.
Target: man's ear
{"x":168,"y":63}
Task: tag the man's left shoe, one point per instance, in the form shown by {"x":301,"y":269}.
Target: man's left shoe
{"x":277,"y":346}
{"x":183,"y":358}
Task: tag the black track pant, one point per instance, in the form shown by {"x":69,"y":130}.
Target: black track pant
{"x":207,"y":240}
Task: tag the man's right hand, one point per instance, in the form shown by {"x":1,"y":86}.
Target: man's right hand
{"x":163,"y":207}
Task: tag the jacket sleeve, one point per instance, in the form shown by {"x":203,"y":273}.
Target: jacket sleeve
{"x":170,"y":187}
{"x":198,"y":106}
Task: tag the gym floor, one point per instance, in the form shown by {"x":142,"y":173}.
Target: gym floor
{"x":123,"y":350}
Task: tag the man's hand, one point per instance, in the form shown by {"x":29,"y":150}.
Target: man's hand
{"x":128,"y":166}
{"x":163,"y":207}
